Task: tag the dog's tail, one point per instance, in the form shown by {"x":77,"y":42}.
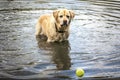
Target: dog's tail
{"x":38,"y":29}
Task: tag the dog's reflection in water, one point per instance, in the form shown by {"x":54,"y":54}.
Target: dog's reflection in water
{"x":60,"y":52}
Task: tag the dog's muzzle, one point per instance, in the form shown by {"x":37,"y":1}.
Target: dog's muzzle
{"x":65,"y":23}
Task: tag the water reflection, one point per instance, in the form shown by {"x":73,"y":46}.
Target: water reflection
{"x":94,"y":40}
{"x":59,"y":52}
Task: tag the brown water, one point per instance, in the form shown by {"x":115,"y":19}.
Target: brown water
{"x":94,"y":42}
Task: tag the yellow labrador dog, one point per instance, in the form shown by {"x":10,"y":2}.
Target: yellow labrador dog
{"x":55,"y":26}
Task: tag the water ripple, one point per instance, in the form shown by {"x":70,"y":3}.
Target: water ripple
{"x":93,"y":43}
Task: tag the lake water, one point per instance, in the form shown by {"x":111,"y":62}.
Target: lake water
{"x":93,"y":44}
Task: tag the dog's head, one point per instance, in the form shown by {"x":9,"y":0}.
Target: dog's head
{"x":63,"y":17}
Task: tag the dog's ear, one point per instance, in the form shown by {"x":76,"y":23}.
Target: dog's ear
{"x":55,"y":14}
{"x":72,"y":14}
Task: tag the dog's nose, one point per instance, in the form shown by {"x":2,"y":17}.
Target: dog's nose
{"x":64,"y":22}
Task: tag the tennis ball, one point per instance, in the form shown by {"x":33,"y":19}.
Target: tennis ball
{"x":79,"y":72}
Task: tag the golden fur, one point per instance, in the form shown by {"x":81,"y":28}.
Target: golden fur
{"x":55,"y":26}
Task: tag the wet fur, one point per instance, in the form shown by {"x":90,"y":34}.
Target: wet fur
{"x":55,"y":26}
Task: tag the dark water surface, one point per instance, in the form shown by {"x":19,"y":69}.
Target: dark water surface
{"x":94,"y":42}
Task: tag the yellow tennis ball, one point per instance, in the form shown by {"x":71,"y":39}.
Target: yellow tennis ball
{"x":79,"y":72}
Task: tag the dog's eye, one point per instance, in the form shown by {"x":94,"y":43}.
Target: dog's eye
{"x":67,"y":16}
{"x":61,"y":16}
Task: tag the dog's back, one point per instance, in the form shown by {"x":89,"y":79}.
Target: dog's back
{"x":55,"y":26}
